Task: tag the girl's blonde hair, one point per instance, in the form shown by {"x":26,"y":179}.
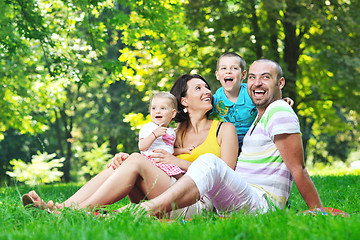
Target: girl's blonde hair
{"x":167,"y":95}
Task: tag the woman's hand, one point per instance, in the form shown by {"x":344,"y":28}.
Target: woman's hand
{"x":178,"y":151}
{"x":117,"y":160}
{"x":162,"y":156}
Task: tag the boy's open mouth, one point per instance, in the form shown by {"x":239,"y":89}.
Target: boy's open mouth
{"x":158,"y":117}
{"x":228,"y":79}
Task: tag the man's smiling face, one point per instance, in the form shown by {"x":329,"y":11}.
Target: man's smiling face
{"x":263,"y":85}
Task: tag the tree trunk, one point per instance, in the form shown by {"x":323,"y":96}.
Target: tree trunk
{"x":68,"y":139}
{"x":113,"y":145}
{"x":291,"y":53}
{"x":257,"y":32}
{"x":291,"y":56}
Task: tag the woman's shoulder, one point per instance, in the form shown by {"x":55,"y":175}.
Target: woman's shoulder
{"x":225,"y":124}
{"x":226,"y":127}
{"x":180,"y":129}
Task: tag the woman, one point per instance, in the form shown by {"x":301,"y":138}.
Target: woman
{"x":136,"y":177}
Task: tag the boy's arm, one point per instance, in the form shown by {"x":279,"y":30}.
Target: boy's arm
{"x":291,"y":150}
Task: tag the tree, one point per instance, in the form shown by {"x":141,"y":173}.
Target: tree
{"x":306,"y":37}
{"x":73,"y":43}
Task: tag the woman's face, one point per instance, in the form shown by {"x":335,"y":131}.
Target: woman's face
{"x":198,"y":96}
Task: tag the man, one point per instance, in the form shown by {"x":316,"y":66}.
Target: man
{"x":272,"y":156}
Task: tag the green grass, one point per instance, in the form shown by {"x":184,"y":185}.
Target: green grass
{"x":340,"y":192}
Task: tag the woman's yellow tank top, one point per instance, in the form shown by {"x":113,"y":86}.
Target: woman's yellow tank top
{"x":210,"y":145}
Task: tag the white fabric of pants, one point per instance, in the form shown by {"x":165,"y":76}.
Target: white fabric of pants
{"x":225,"y":187}
{"x":204,"y":204}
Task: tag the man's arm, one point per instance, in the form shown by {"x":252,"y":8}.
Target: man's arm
{"x":292,"y":152}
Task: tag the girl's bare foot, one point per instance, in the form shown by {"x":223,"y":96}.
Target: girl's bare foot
{"x":152,"y":209}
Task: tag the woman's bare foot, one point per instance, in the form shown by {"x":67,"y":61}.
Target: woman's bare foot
{"x":59,"y":206}
{"x":53,"y":208}
{"x":145,"y":207}
{"x":33,"y":199}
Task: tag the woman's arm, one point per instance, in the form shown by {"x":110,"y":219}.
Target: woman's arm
{"x":228,"y":142}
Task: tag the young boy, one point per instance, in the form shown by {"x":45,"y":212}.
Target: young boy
{"x":232,"y":101}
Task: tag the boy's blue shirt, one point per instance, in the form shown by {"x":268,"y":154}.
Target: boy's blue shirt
{"x":241,"y":114}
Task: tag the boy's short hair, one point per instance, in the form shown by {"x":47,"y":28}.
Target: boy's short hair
{"x":167,"y":95}
{"x":232,"y":54}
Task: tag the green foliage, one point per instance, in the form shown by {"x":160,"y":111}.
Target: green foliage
{"x":74,"y":70}
{"x":336,"y":168}
{"x":314,"y":42}
{"x":136,"y":121}
{"x":156,"y":39}
{"x":42,"y":169}
{"x":94,"y":161}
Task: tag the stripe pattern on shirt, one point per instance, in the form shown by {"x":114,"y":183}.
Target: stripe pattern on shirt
{"x":260,"y":162}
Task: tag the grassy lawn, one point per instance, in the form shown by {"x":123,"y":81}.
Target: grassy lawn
{"x":342,"y":192}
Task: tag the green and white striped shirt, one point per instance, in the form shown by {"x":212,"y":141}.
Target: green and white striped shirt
{"x":260,"y":162}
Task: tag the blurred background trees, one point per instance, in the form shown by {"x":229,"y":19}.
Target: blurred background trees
{"x":76,"y":75}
